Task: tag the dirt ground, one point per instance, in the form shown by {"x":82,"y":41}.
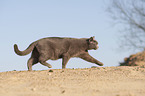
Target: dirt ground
{"x":100,"y":81}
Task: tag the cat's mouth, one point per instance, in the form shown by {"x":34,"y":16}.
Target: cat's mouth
{"x":96,"y":47}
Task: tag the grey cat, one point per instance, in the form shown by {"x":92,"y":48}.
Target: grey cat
{"x":56,"y":47}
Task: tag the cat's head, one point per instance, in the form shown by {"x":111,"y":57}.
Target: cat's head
{"x":92,"y":43}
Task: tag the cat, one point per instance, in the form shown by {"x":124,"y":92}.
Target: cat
{"x":56,"y":47}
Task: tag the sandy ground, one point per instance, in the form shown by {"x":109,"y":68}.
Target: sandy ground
{"x":101,"y":81}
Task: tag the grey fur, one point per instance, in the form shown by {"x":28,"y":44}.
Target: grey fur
{"x":55,"y":48}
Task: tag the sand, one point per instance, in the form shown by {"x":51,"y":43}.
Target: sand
{"x":100,"y":81}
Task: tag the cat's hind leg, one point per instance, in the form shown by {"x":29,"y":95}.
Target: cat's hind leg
{"x":42,"y":60}
{"x":45,"y":64}
{"x":31,"y":62}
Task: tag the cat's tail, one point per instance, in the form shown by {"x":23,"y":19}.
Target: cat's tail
{"x":25,"y":52}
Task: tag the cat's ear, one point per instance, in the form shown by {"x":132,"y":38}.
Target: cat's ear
{"x":92,"y":38}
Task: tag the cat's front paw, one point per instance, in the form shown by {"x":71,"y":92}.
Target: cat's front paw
{"x":49,"y":66}
{"x":100,"y":64}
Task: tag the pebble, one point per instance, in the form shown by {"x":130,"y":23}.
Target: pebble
{"x":50,"y":70}
{"x":33,"y":89}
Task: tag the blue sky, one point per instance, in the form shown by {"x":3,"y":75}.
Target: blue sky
{"x":25,"y":21}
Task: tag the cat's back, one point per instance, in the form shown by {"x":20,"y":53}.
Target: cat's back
{"x":56,"y":40}
{"x":60,"y":41}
